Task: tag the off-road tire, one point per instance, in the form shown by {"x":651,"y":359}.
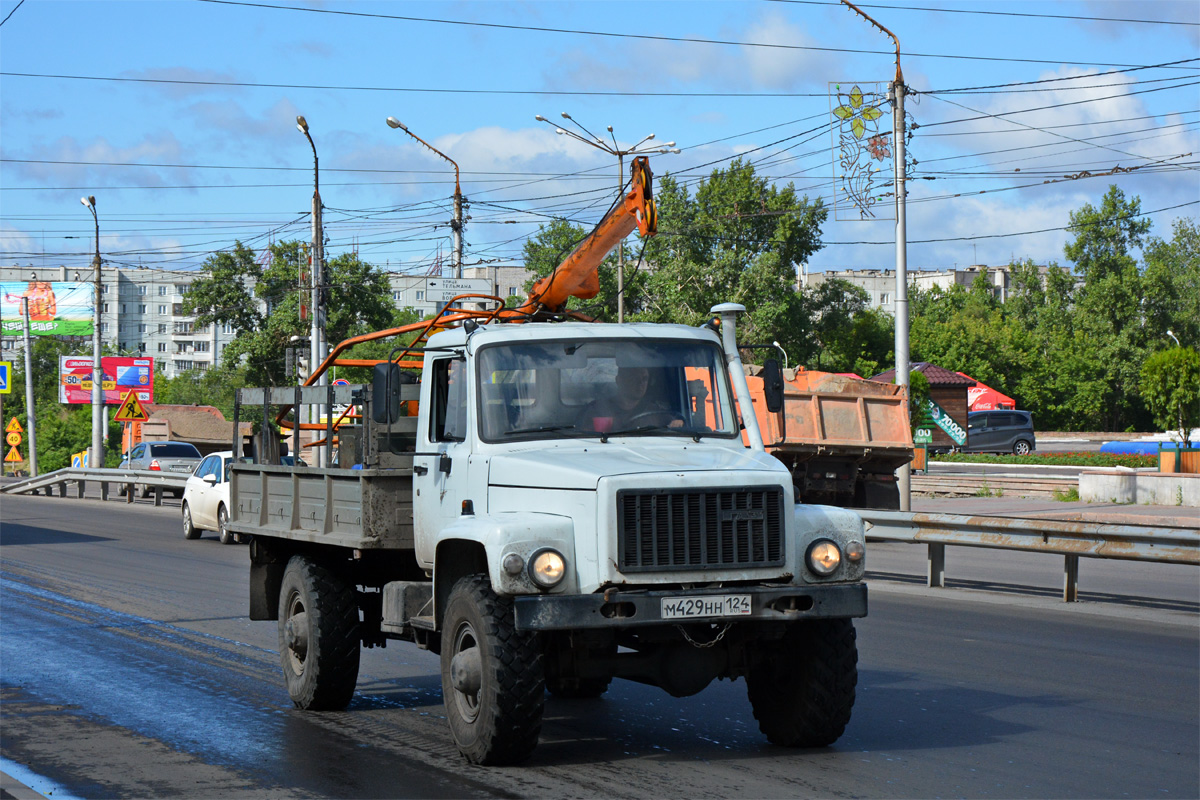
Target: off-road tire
{"x":318,"y":635}
{"x":577,"y":688}
{"x":190,"y":531}
{"x":500,"y":723}
{"x":226,"y":535}
{"x":802,"y":688}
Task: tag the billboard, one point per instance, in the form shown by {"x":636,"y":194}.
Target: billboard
{"x":59,"y":308}
{"x":121,"y":373}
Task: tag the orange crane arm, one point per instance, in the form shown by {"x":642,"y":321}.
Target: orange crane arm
{"x":577,"y":275}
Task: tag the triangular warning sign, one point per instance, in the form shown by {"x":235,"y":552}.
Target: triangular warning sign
{"x":13,"y":455}
{"x":130,"y":409}
{"x":13,"y":426}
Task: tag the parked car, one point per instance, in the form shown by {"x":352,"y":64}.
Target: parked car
{"x":206,"y":499}
{"x":177,"y":457}
{"x":1000,"y":432}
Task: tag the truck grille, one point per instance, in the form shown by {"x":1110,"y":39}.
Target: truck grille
{"x":686,"y":529}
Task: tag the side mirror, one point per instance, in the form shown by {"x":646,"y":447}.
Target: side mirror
{"x":209,"y":478}
{"x":385,"y":393}
{"x":772,"y":377}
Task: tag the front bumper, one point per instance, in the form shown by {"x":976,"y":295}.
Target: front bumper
{"x":632,"y":609}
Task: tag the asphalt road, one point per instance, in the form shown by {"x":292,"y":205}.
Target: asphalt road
{"x":129,"y":669}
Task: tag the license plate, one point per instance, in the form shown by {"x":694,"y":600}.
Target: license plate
{"x":713,"y":605}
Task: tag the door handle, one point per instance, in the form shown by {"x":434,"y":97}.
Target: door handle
{"x":419,"y":470}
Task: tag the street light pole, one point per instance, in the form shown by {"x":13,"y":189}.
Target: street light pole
{"x":97,"y":457}
{"x":318,"y":347}
{"x":456,"y":226}
{"x":613,"y":150}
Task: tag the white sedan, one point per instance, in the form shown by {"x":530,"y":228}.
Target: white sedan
{"x":206,"y":498}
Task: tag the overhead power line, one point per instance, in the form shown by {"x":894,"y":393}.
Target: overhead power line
{"x":647,"y":36}
{"x":992,"y":13}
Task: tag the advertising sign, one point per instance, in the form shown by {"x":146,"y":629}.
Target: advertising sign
{"x":945,"y":422}
{"x":121,"y":374}
{"x":60,"y":308}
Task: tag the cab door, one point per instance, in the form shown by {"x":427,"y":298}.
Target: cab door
{"x":441,"y":463}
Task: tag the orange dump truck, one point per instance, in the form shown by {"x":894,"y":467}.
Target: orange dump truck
{"x":842,"y":438}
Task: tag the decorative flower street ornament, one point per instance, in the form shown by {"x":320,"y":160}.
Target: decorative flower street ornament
{"x":859,"y":148}
{"x":857,"y":114}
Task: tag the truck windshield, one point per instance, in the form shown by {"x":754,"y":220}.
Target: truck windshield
{"x":602,"y":388}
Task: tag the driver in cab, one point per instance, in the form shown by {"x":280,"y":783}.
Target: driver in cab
{"x":630,"y":405}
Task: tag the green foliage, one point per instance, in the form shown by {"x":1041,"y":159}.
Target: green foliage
{"x":847,"y":336}
{"x":358,"y":301}
{"x":1069,"y":495}
{"x":1170,"y":385}
{"x":918,"y":394}
{"x":212,"y":388}
{"x":736,"y":239}
{"x":1081,"y":459}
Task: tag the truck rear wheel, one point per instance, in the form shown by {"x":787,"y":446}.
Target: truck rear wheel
{"x":802,"y":689}
{"x":492,"y":680}
{"x":318,"y":635}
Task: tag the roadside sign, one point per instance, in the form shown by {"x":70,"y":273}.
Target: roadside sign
{"x":443,"y":290}
{"x":131,"y":409}
{"x":76,"y":460}
{"x":923,"y":435}
{"x":5,"y":377}
{"x":13,"y":438}
{"x":341,"y":382}
{"x":14,"y":426}
{"x":13,"y":455}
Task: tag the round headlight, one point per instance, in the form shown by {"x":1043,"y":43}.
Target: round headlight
{"x":823,"y":557}
{"x":513,"y":564}
{"x":547,"y":568}
{"x":855,"y":551}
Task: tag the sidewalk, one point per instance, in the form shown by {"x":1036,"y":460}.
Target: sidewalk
{"x":1078,"y":511}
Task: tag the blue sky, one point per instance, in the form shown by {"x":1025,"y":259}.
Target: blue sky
{"x":179,"y":116}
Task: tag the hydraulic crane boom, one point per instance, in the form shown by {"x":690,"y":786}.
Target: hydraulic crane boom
{"x":578,"y":274}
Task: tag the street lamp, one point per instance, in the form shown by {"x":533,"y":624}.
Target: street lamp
{"x":614,"y":150}
{"x":318,"y":347}
{"x":456,"y":225}
{"x":1173,"y":336}
{"x":97,"y":457}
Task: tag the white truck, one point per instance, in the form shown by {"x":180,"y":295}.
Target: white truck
{"x":537,"y":543}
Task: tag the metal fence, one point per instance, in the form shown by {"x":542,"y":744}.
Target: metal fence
{"x":130,"y":479}
{"x":1071,"y":540}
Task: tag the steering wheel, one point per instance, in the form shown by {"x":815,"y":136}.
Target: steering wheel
{"x":672,"y":416}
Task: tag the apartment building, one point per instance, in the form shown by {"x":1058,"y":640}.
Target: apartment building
{"x":880,"y":284}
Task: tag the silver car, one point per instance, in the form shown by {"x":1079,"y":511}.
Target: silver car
{"x":177,"y":457}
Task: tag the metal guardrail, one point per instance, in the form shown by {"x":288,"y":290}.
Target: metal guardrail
{"x":1069,"y":539}
{"x":158,"y":480}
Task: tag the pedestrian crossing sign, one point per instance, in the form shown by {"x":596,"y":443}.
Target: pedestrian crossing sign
{"x":131,"y":409}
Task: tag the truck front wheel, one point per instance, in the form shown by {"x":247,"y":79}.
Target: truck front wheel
{"x":802,"y":688}
{"x":492,"y":679}
{"x":318,"y":635}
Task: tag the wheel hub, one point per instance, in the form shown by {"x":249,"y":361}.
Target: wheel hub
{"x":295,"y":631}
{"x":466,"y":671}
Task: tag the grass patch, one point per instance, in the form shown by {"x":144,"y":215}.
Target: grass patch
{"x":1054,"y":459}
{"x":1068,"y":495}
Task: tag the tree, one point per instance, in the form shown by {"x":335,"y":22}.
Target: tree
{"x":1170,"y":384}
{"x":1107,"y":314}
{"x":1171,"y":283}
{"x":263,"y":305}
{"x":737,"y":239}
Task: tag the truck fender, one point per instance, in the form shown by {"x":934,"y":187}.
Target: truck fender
{"x":843,"y":526}
{"x":473,"y":544}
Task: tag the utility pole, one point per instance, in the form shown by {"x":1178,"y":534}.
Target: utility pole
{"x":30,"y":413}
{"x":317,"y":345}
{"x":613,"y":150}
{"x":896,"y":93}
{"x":456,"y":225}
{"x":97,"y":456}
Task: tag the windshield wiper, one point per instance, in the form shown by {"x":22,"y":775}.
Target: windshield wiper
{"x":693,"y":433}
{"x":539,"y":429}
